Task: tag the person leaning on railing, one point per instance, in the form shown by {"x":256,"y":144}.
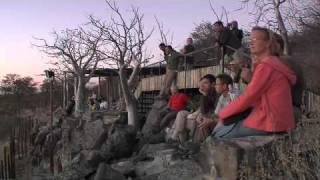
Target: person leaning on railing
{"x":188,"y":48}
{"x":173,"y":59}
{"x":224,"y":37}
{"x":238,"y":65}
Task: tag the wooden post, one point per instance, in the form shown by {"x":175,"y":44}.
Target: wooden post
{"x":64,"y":93}
{"x":222,"y":58}
{"x":5,"y":162}
{"x":12,"y":153}
{"x":22,"y":140}
{"x":185,"y":73}
{"x":19,"y":140}
{"x":99,"y":86}
{"x":67,"y":90}
{"x":51,"y":124}
{"x":2,"y":176}
{"x":17,"y":143}
{"x":25,"y":139}
{"x":9,"y":165}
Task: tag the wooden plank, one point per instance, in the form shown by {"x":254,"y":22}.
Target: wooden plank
{"x":188,"y":79}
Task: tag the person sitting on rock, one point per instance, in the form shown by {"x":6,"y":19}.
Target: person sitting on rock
{"x":224,"y":85}
{"x":268,"y":94}
{"x":239,"y":61}
{"x":206,"y":124}
{"x":103,"y":104}
{"x":185,"y":122}
{"x":177,"y":102}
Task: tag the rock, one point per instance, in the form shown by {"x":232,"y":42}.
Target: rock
{"x":153,"y":116}
{"x":77,"y":169}
{"x":93,"y":158}
{"x":124,"y":167}
{"x":88,"y":136}
{"x":185,"y":169}
{"x":105,"y":172}
{"x":110,"y":118}
{"x":156,"y":159}
{"x":58,"y":115}
{"x":41,"y":137}
{"x":154,"y":149}
{"x":120,"y":142}
{"x":221,"y":158}
{"x":91,"y":137}
{"x":51,"y":140}
{"x":161,"y":162}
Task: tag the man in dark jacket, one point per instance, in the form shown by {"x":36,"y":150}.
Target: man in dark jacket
{"x":236,"y":31}
{"x":224,"y":37}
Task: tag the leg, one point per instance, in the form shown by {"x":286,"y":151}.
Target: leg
{"x":201,"y":134}
{"x":165,"y":121}
{"x":168,"y":80}
{"x":179,"y":123}
{"x":238,"y":130}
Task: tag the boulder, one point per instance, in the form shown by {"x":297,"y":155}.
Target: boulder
{"x":105,"y":172}
{"x":125,"y":167}
{"x":93,"y":158}
{"x":183,"y":169}
{"x":154,"y":116}
{"x":154,"y":159}
{"x":120,"y":142}
{"x":41,"y":136}
{"x":77,"y":169}
{"x":221,"y":158}
{"x":87,"y":137}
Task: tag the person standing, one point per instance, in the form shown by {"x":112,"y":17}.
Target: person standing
{"x":173,"y":59}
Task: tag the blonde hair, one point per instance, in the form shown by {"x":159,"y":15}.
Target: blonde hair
{"x":274,"y":40}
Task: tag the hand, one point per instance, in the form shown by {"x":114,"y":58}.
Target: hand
{"x":206,"y":122}
{"x":202,"y":92}
{"x":246,"y":75}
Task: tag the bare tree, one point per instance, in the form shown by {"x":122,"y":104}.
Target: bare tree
{"x":75,"y":50}
{"x":224,"y":13}
{"x":124,"y":42}
{"x":164,"y":34}
{"x":304,"y":14}
{"x":270,"y":13}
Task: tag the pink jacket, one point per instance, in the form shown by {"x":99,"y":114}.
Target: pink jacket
{"x":269,"y":93}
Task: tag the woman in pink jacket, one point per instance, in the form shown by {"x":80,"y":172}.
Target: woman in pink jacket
{"x":268,"y":95}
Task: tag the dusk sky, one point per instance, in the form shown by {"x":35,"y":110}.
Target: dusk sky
{"x":21,"y":20}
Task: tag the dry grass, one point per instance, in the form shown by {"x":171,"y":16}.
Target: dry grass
{"x":294,"y":157}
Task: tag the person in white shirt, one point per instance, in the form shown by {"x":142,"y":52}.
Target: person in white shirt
{"x":103,"y":104}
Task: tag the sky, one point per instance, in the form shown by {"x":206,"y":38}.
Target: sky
{"x":22,"y":20}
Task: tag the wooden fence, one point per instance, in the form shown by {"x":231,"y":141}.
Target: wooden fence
{"x":185,"y":79}
{"x":190,"y":79}
{"x":17,"y":148}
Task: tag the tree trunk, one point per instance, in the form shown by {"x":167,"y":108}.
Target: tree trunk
{"x":131,"y":101}
{"x":79,"y":96}
{"x":282,"y":28}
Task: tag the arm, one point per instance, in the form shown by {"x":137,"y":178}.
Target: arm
{"x":254,"y":91}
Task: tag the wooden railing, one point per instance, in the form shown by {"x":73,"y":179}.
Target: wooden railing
{"x":187,"y":78}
